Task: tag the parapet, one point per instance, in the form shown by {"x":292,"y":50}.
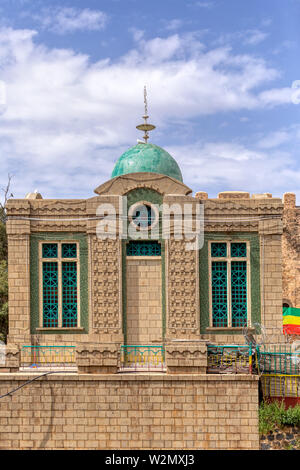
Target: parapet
{"x":289,"y":200}
{"x":234,"y":195}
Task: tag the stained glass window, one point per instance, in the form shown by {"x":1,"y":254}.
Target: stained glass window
{"x":238,"y":250}
{"x":239,"y":293}
{"x":49,"y":250}
{"x":69,"y":294}
{"x":59,"y":289}
{"x":143,"y":248}
{"x":218,"y":250}
{"x":219,"y":293}
{"x":50,"y":294}
{"x":229,"y":284}
{"x":68,"y":250}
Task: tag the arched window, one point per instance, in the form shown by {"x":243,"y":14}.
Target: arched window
{"x":286,"y":303}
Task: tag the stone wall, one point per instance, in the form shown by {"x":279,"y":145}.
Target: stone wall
{"x":73,"y":411}
{"x":144,"y":301}
{"x":290,"y":251}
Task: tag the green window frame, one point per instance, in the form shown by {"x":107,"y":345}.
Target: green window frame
{"x":59,"y":284}
{"x":143,"y":248}
{"x":229,"y":273}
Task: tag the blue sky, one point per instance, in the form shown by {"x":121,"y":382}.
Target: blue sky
{"x":223,"y":81}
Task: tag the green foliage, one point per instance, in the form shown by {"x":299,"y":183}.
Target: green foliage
{"x":4,"y":322}
{"x":3,"y":241}
{"x":274,"y":416}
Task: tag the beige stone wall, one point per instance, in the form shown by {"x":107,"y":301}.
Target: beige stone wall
{"x":130,"y":412}
{"x":290,"y":251}
{"x":271,"y":284}
{"x":19,"y":288}
{"x":144,"y":301}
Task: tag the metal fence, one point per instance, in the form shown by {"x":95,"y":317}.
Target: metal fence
{"x":278,"y":359}
{"x":48,"y":357}
{"x":229,"y":359}
{"x":140,"y":357}
{"x":278,"y":385}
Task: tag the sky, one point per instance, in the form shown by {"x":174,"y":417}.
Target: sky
{"x":223,"y":85}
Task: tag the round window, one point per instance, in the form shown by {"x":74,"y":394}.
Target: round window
{"x":143,"y":215}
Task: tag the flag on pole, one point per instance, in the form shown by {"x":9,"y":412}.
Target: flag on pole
{"x":291,"y":321}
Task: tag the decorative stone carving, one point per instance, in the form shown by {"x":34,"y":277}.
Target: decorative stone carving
{"x":12,"y":359}
{"x":161,"y":183}
{"x":106,"y":265}
{"x":98,"y":358}
{"x":186,"y":357}
{"x":183,"y":306}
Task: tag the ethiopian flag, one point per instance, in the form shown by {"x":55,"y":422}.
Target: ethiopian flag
{"x":291,"y":321}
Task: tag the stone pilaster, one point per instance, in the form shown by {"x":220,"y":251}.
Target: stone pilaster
{"x":106,"y":290}
{"x":182,"y":291}
{"x":18,"y":235}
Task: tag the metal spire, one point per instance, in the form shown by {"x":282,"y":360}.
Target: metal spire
{"x":145,"y":127}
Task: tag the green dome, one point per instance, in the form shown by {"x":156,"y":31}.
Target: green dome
{"x":147,"y":158}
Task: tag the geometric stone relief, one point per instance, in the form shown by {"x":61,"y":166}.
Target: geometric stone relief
{"x":105,"y":283}
{"x":183,"y":288}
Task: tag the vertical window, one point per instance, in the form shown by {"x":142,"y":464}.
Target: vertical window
{"x":229,"y":273}
{"x":59,"y":267}
{"x":50,"y":294}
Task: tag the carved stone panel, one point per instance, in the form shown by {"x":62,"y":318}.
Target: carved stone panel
{"x":183,"y":297}
{"x":106,"y":272}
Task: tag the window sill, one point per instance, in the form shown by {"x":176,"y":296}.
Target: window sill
{"x":143,"y":258}
{"x":77,"y":328}
{"x":230,"y":328}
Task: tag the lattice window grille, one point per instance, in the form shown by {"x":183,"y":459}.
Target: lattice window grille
{"x":239,"y":250}
{"x":69,"y":250}
{"x":239,"y":293}
{"x":218,"y":250}
{"x":50,"y":250}
{"x":59,"y":289}
{"x":143,"y":248}
{"x":50,"y":294}
{"x":219,"y":293}
{"x":229,"y":289}
{"x":69,"y":294}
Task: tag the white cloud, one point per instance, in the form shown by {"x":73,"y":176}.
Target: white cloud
{"x":68,"y":20}
{"x":68,"y":119}
{"x":248,"y":37}
{"x":254,"y":37}
{"x":174,"y":24}
{"x":274,"y":139}
{"x":220,"y":166}
{"x":276,"y":96}
{"x":203,"y":4}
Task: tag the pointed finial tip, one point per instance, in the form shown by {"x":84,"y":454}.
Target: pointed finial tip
{"x":145,"y":127}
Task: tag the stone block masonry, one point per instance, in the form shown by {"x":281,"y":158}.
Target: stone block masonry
{"x":120,"y":411}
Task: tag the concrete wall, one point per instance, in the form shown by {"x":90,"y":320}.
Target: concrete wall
{"x":130,"y":412}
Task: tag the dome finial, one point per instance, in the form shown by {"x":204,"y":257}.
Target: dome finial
{"x":145,"y":127}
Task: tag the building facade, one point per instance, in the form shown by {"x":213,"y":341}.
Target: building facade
{"x":68,"y":286}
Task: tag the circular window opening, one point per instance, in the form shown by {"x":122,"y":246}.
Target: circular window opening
{"x":143,"y":215}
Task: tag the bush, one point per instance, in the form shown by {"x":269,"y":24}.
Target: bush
{"x":274,"y":415}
